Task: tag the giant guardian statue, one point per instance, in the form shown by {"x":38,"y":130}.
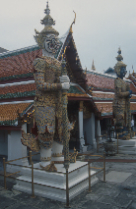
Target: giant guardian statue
{"x":121,"y":102}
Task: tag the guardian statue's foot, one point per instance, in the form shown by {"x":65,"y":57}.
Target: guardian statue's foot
{"x":50,"y":168}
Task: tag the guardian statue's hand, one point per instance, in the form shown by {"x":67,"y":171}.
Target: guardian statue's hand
{"x":65,"y":85}
{"x":64,"y":78}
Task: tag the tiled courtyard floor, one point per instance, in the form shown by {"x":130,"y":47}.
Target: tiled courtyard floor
{"x":120,"y":192}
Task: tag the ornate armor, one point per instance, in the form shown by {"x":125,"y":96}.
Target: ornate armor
{"x":47,"y":102}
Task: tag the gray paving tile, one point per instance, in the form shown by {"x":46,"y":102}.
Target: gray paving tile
{"x":99,"y":205}
{"x":6,"y":202}
{"x":21,"y":206}
{"x":118,"y":202}
{"x":133,"y":205}
{"x":104,"y":195}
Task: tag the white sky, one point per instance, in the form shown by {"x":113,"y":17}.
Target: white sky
{"x":101,"y":27}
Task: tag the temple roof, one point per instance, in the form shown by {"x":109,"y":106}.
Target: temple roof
{"x":105,"y":108}
{"x":102,"y":86}
{"x":133,"y":107}
{"x":102,"y":95}
{"x":8,"y":112}
{"x":100,"y":81}
{"x":27,"y":88}
{"x":3,"y":50}
{"x":8,"y":109}
{"x":17,"y":91}
{"x":18,"y":64}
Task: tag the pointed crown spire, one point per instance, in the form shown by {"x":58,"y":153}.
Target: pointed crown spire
{"x":119,"y":57}
{"x":119,"y":63}
{"x":47,"y":21}
{"x":47,"y":10}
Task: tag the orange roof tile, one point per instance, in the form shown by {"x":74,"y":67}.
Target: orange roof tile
{"x":104,"y":107}
{"x":133,"y":97}
{"x":77,"y":95}
{"x":132,"y":88}
{"x":107,"y":107}
{"x":133,"y":106}
{"x":8,"y":112}
{"x":17,"y":88}
{"x":100,"y":81}
{"x":18,"y":64}
{"x":104,"y":96}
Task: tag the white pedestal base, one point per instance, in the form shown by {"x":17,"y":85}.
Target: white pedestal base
{"x":127,"y":146}
{"x":53,"y":185}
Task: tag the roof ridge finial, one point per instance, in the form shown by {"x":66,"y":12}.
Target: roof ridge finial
{"x":93,"y":66}
{"x":47,"y":10}
{"x":72,"y":23}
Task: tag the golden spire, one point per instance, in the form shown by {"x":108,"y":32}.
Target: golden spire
{"x":93,"y":66}
{"x":132,"y":69}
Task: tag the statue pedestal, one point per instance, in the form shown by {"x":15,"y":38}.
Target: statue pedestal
{"x":127,"y":146}
{"x":53,"y":184}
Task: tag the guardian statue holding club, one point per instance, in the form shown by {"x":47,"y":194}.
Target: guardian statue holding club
{"x":50,"y":84}
{"x":121,"y":103}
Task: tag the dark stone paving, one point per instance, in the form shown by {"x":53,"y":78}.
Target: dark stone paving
{"x":103,"y":196}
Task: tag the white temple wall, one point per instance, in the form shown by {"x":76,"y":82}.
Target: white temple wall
{"x":16,"y":150}
{"x":89,"y":129}
{"x":81,"y":133}
{"x":98,"y":129}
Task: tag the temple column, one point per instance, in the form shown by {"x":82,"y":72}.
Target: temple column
{"x":81,"y":133}
{"x":24,"y":148}
{"x":92,"y":129}
{"x":98,"y":129}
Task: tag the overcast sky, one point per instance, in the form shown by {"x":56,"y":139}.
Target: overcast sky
{"x":102,"y":26}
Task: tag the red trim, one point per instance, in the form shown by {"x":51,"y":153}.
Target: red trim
{"x":79,"y":98}
{"x":11,"y":128}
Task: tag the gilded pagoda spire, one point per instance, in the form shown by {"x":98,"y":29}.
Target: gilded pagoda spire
{"x":93,"y":66}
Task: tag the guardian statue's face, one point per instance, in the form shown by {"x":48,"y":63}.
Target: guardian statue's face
{"x":122,"y":72}
{"x":52,"y":44}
